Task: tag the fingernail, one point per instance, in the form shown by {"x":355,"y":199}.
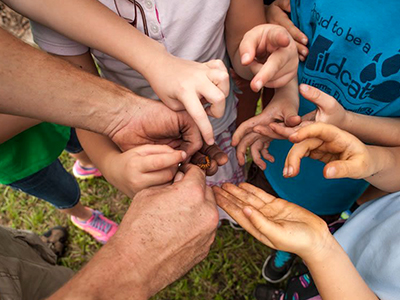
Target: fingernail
{"x":331,"y":172}
{"x":304,"y":53}
{"x":258,"y":85}
{"x":245,"y":58}
{"x":284,"y":172}
{"x":294,"y":135}
{"x":247,"y":211}
{"x":184,"y":154}
{"x":210,"y":142}
{"x":304,"y":87}
{"x":290,"y":171}
{"x":304,"y":41}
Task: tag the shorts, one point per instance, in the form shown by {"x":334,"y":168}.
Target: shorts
{"x":28,"y":269}
{"x":53,"y":183}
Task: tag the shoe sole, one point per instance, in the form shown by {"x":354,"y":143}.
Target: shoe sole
{"x":83,"y":177}
{"x":271,"y":280}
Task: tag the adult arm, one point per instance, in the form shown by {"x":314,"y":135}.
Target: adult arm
{"x":286,"y":226}
{"x":94,"y":25}
{"x":143,"y":257}
{"x":39,"y":86}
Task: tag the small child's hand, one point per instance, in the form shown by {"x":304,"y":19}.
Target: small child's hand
{"x":328,"y":111}
{"x":143,"y":167}
{"x":273,"y":221}
{"x":271,"y":54}
{"x":258,"y":141}
{"x":183,"y":84}
{"x":343,"y":154}
{"x":277,"y":13}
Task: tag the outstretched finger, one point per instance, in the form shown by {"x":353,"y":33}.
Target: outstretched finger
{"x":197,"y":112}
{"x":296,"y":153}
{"x":264,"y":196}
{"x":243,"y":195}
{"x":255,"y":150}
{"x":244,"y":129}
{"x":236,"y":212}
{"x":241,"y":149}
{"x":275,"y":63}
{"x":322,"y":131}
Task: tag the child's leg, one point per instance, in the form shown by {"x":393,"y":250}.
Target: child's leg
{"x":56,"y":186}
{"x":83,"y":167}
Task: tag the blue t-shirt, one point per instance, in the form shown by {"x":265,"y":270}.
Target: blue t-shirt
{"x":354,"y":57}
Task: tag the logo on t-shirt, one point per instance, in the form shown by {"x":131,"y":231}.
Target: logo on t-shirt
{"x":342,"y":80}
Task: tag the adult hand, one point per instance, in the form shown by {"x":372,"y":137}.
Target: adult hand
{"x":216,"y":158}
{"x":328,"y":111}
{"x":183,"y":84}
{"x":343,"y":154}
{"x":142,"y":167}
{"x":275,"y":222}
{"x":165,"y":232}
{"x":277,"y":13}
{"x":271,"y":54}
{"x":151,"y":122}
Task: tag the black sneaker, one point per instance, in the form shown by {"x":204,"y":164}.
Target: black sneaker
{"x":56,"y":239}
{"x":277,"y":266}
{"x":267,"y":292}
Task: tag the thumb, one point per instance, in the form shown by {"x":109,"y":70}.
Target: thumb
{"x":314,"y":95}
{"x":344,"y":169}
{"x":291,"y":117}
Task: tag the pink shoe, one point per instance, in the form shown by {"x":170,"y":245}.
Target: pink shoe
{"x":98,"y":226}
{"x":85,"y":173}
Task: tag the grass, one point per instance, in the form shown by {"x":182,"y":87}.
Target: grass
{"x":231,"y":271}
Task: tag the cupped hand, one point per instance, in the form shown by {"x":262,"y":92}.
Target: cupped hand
{"x":184,"y":84}
{"x":271,"y":54}
{"x":275,"y":222}
{"x":343,"y":153}
{"x":277,"y":13}
{"x":216,"y":157}
{"x":143,"y":167}
{"x":151,"y":122}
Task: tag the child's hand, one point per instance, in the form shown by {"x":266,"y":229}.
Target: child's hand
{"x":273,"y":221}
{"x":245,"y":136}
{"x":216,"y":158}
{"x":328,"y":111}
{"x":183,"y":84}
{"x":277,"y":13}
{"x":343,"y":154}
{"x":271,"y":54}
{"x":142,"y":167}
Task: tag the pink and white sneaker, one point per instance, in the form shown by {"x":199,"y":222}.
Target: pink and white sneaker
{"x":85,"y":173}
{"x":98,"y":226}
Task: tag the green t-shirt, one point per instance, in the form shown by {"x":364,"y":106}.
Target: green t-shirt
{"x":31,"y":151}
